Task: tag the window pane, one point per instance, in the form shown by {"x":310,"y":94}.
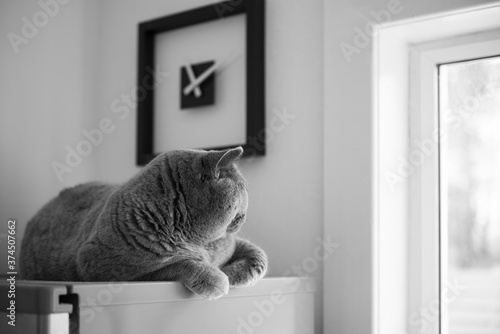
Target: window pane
{"x":470,"y":196}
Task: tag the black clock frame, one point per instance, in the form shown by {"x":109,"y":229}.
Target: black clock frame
{"x":255,"y":74}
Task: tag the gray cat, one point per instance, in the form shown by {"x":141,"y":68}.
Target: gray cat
{"x":175,"y":220}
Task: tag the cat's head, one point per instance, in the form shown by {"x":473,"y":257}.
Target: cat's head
{"x":205,"y":193}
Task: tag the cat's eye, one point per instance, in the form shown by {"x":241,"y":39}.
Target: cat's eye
{"x":206,"y":177}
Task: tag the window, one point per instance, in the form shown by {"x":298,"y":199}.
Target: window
{"x":469,"y":109}
{"x":413,"y":286}
{"x":454,"y":193}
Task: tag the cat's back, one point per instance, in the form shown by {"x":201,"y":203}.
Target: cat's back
{"x":60,"y":216}
{"x":83,"y":196}
{"x":73,"y":202}
{"x":62,"y":224}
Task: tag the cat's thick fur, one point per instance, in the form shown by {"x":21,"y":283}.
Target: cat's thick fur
{"x":175,"y":220}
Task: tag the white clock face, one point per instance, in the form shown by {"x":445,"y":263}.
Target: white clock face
{"x":199,"y":58}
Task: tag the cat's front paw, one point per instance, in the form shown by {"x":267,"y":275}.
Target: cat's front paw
{"x":244,"y":272}
{"x":210,"y":285}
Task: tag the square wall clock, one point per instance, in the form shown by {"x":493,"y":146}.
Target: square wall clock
{"x":209,"y":89}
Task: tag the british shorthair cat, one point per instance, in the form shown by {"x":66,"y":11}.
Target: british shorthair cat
{"x":175,"y":220}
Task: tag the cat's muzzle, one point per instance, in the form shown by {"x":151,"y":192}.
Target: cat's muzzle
{"x":236,"y":224}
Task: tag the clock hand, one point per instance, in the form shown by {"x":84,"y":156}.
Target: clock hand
{"x":188,"y":89}
{"x":190,"y":73}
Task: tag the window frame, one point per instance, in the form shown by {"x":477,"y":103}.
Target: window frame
{"x":405,"y":270}
{"x":427,"y":219}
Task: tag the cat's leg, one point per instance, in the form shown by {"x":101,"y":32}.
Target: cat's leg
{"x":199,"y":277}
{"x":247,"y":265}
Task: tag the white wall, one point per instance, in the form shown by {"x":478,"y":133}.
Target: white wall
{"x":46,"y":98}
{"x":351,"y":278}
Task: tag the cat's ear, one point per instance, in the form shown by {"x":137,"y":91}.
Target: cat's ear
{"x":225,"y":158}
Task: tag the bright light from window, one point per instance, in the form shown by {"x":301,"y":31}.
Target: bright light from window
{"x":469,"y":103}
